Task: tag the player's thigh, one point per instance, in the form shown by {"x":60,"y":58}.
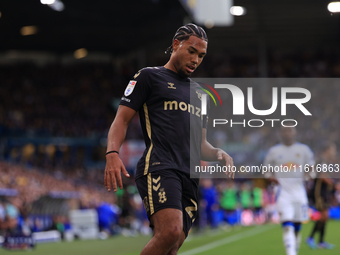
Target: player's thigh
{"x":189,"y":202}
{"x":167,"y":220}
{"x":285,"y":210}
{"x":160,"y":190}
{"x":300,"y":212}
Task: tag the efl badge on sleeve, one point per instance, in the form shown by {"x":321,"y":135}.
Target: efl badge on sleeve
{"x":130,"y":88}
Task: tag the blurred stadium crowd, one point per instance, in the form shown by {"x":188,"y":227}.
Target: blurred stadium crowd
{"x":80,"y":101}
{"x":80,"y":98}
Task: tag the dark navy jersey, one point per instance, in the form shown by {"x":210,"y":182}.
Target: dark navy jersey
{"x":320,"y":187}
{"x":170,"y":114}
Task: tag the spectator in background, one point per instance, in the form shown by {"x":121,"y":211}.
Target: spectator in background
{"x":37,"y":225}
{"x":12,"y":217}
{"x":209,"y":202}
{"x":58,"y":224}
{"x":2,"y":217}
{"x":258,"y":199}
{"x":108,"y":216}
{"x":246,"y":196}
{"x":258,"y":203}
{"x":228,"y":202}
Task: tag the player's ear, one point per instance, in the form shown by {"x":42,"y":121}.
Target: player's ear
{"x":175,"y":44}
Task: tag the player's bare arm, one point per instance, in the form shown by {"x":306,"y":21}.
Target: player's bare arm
{"x":210,"y":153}
{"x":114,"y":166}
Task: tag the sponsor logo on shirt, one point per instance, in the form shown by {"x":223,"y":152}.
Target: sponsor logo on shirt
{"x":174,"y":105}
{"x":125,"y":99}
{"x":171,"y":85}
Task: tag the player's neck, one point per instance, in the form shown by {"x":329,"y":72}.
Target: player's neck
{"x":289,"y":143}
{"x":171,"y":67}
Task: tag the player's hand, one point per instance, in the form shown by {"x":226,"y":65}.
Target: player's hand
{"x":113,"y":169}
{"x":227,"y":161}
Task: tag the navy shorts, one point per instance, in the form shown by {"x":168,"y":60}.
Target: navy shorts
{"x":170,"y":189}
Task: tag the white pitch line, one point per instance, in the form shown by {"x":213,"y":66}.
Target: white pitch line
{"x":227,"y":240}
{"x":208,"y":234}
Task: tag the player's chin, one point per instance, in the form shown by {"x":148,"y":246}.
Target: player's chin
{"x":185,"y":73}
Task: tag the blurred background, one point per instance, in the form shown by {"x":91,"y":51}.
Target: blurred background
{"x":64,"y":66}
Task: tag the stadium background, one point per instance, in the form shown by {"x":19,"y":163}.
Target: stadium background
{"x":62,"y":74}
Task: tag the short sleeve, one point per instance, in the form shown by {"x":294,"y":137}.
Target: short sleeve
{"x":138,"y":90}
{"x":269,"y":158}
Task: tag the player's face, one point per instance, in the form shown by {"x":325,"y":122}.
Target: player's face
{"x":188,"y":55}
{"x":288,"y":135}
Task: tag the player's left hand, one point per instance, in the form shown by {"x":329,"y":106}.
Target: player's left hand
{"x":227,"y":161}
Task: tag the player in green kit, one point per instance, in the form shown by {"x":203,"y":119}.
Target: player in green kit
{"x":229,"y":199}
{"x":245,"y":196}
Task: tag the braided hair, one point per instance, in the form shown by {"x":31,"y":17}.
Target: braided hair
{"x":184,"y":32}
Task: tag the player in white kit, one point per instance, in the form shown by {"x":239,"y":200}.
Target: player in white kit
{"x":290,"y":161}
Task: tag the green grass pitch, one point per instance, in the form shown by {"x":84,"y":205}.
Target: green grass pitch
{"x":256,"y":240}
